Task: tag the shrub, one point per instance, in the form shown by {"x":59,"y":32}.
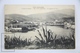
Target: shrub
{"x":48,"y":40}
{"x":11,"y":43}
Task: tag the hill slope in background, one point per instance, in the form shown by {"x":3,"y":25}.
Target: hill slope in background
{"x":49,"y":16}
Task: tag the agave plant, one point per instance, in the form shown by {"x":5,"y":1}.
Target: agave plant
{"x":46,"y":38}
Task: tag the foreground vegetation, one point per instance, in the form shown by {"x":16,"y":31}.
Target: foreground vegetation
{"x":47,"y":40}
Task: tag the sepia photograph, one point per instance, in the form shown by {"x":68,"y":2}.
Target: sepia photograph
{"x":39,"y":26}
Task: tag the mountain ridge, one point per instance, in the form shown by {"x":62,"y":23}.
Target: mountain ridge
{"x":48,"y":16}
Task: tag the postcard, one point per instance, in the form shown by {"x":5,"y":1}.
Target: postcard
{"x":39,"y":27}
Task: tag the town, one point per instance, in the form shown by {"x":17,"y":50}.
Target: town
{"x":24,"y":26}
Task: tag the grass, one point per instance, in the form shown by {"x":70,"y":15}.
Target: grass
{"x":47,"y":40}
{"x":11,"y":43}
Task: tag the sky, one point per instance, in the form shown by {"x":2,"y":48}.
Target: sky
{"x":34,"y":9}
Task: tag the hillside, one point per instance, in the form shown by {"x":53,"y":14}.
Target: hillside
{"x":48,"y":16}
